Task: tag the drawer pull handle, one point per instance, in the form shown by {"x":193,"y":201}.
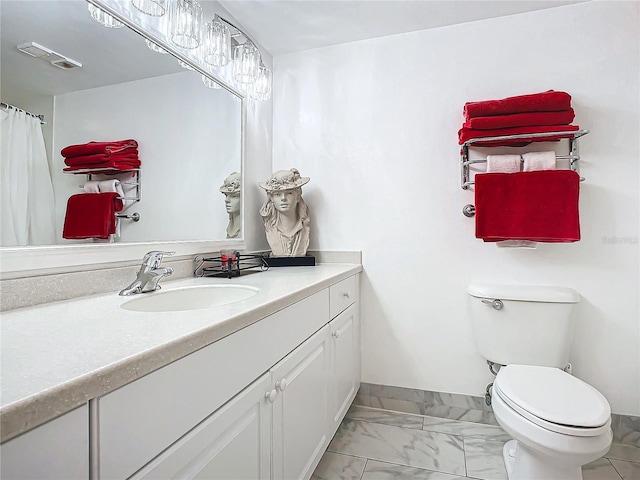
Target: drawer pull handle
{"x":346,"y":295}
{"x":281,"y":384}
{"x":271,"y":396}
{"x":336,"y":334}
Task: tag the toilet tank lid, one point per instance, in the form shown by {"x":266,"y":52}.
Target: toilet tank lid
{"x":524,"y":293}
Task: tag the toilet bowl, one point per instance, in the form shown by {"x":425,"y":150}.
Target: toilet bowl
{"x":559,"y":423}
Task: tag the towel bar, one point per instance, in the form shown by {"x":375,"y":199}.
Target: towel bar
{"x":134,"y":216}
{"x":573,"y":156}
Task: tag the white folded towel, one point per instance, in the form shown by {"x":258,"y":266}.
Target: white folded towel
{"x":503,"y":163}
{"x":516,"y":244}
{"x":111,"y":186}
{"x":91,"y":186}
{"x":534,"y":161}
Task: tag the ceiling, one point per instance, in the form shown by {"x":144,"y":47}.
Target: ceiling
{"x":111,"y":56}
{"x":285,"y":26}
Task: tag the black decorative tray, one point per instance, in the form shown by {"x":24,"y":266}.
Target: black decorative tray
{"x":228,"y":265}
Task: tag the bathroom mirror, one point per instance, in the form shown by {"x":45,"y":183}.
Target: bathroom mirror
{"x":190,"y":136}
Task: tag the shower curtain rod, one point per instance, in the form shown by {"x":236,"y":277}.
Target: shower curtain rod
{"x":40,"y":117}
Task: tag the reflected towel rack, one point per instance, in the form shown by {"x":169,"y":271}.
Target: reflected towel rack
{"x":573,"y":155}
{"x":89,"y":172}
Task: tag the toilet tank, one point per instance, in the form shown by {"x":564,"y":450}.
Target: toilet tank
{"x":534,"y":326}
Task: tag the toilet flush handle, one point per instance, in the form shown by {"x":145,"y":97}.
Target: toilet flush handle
{"x":497,"y":304}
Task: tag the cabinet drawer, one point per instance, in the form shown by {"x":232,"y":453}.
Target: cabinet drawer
{"x":143,"y":418}
{"x":341,"y":295}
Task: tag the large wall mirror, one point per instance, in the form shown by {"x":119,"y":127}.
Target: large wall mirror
{"x":189,"y":138}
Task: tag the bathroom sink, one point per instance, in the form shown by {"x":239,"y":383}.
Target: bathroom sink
{"x":189,"y":298}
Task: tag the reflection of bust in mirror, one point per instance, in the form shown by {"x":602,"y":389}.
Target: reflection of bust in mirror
{"x":231,"y":190}
{"x":285,"y":215}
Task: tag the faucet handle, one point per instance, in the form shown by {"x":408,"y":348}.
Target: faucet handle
{"x":154,"y":257}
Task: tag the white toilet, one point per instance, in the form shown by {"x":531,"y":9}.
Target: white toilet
{"x":559,"y":423}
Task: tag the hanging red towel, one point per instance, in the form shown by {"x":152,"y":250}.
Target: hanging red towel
{"x":564,"y":117}
{"x":92,"y":148}
{"x":100,"y":158}
{"x":465,"y":134}
{"x":541,"y":206}
{"x":91,"y":215}
{"x":549,"y":101}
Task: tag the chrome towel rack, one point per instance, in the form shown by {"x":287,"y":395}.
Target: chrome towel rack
{"x":573,"y":156}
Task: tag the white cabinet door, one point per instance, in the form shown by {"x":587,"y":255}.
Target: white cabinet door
{"x":301,"y":409}
{"x":345,"y":362}
{"x":234,"y":443}
{"x":58,"y":449}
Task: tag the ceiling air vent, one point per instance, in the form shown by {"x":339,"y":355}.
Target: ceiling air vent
{"x":36,"y":50}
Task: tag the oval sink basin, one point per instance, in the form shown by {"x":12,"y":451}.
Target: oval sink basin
{"x":189,"y":298}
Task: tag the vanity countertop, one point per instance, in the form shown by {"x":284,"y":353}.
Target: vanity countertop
{"x":57,"y":356}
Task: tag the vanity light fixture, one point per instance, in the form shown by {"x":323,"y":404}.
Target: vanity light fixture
{"x":226,"y":50}
{"x":36,"y":50}
{"x":103,"y":18}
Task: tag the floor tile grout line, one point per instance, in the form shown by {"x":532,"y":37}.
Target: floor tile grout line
{"x":366,"y":462}
{"x":615,"y":469}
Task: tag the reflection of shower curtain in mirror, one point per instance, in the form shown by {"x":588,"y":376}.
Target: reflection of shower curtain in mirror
{"x":27,"y":214}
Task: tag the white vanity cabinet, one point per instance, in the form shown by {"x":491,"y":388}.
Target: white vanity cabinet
{"x":261,"y":403}
{"x":59,"y":449}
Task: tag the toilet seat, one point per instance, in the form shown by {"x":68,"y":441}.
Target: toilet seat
{"x":553,"y":399}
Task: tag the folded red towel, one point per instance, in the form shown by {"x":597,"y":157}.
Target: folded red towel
{"x":541,"y":206}
{"x":99,"y":158}
{"x":465,"y":134}
{"x":123,"y":164}
{"x":91,"y":215}
{"x":549,"y":101}
{"x":564,"y":117}
{"x":98,"y":147}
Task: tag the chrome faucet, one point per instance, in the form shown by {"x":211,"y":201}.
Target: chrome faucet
{"x":150,"y":274}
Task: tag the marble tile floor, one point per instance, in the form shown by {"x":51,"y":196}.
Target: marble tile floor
{"x":375,"y":444}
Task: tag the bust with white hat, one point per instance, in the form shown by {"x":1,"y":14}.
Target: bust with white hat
{"x":231,"y":190}
{"x":285,"y":214}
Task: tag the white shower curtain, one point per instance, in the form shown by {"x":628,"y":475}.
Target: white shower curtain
{"x":26,"y":194}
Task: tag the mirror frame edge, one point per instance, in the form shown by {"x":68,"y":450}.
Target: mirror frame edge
{"x":34,"y":260}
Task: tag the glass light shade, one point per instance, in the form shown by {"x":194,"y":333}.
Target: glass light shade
{"x":246,"y":62}
{"x":185,"y":26}
{"x":103,"y":18}
{"x":261,"y":88}
{"x":184,"y":65}
{"x":209,"y":83}
{"x":216,"y":44}
{"x":156,"y":48}
{"x":155,"y":8}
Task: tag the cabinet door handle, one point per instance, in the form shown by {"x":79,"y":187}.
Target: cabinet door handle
{"x":281,"y":384}
{"x":346,"y":295}
{"x":271,"y":396}
{"x":336,"y":334}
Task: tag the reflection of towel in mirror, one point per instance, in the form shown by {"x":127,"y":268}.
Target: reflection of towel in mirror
{"x":91,"y":148}
{"x":91,"y":215}
{"x":91,"y":186}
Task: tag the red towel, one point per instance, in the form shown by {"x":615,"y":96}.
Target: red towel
{"x":122,"y":164}
{"x":541,"y":206}
{"x":91,"y":215}
{"x":465,"y":134}
{"x":564,"y":117}
{"x":549,"y":101}
{"x":99,"y":147}
{"x":100,"y":158}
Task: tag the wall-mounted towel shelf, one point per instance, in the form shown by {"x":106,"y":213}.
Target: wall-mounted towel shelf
{"x":134,"y":181}
{"x":572,"y":157}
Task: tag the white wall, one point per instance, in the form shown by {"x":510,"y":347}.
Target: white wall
{"x":374,"y":125}
{"x":189,"y":141}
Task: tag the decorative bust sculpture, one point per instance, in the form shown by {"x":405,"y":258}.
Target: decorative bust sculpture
{"x":285,"y":214}
{"x":231,"y":190}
